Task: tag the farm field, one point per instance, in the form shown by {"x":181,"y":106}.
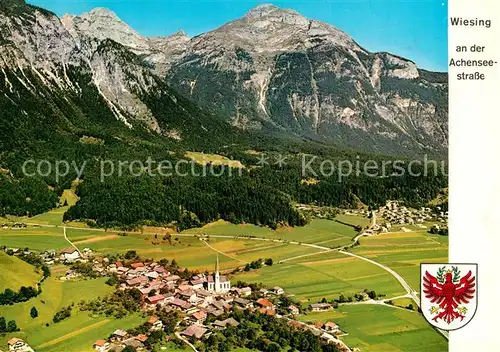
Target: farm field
{"x":72,"y":334}
{"x":405,"y":251}
{"x":188,"y":251}
{"x":386,"y":330}
{"x":35,"y":238}
{"x":15,"y":273}
{"x":352,"y":219}
{"x":327,"y":276}
{"x":323,"y":232}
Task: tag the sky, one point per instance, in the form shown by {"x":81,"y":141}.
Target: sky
{"x":414,"y":29}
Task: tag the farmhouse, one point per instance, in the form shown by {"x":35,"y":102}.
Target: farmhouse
{"x":265,"y":303}
{"x":195,"y":331}
{"x":119,"y":335}
{"x":320,"y":307}
{"x":156,"y":299}
{"x":278,"y":290}
{"x":101,"y":345}
{"x":156,"y":324}
{"x":331,"y":326}
{"x":18,"y":345}
{"x":293,"y":310}
{"x":69,"y":254}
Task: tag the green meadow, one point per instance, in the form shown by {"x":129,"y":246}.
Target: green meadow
{"x":188,"y":251}
{"x":15,"y":273}
{"x":319,"y":231}
{"x":375,"y":328}
{"x":74,"y":334}
{"x":405,"y":251}
{"x":353,"y":219}
{"x":327,"y":275}
{"x":35,"y":238}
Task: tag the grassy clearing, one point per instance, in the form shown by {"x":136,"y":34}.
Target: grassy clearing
{"x":55,"y":295}
{"x":215,"y":159}
{"x":325,"y":232}
{"x":404,"y":252}
{"x":189,"y":252}
{"x":15,"y":273}
{"x":404,"y":302}
{"x":35,"y":238}
{"x":386,"y":329}
{"x":79,"y":332}
{"x":325,"y":276}
{"x":172,"y":347}
{"x":356,"y":220}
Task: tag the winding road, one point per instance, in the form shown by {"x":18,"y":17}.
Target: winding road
{"x":411,"y":293}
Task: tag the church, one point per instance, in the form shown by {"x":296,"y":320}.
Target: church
{"x":217,"y":283}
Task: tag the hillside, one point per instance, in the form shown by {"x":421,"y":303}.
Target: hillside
{"x":277,"y":71}
{"x":90,"y":89}
{"x":15,"y":273}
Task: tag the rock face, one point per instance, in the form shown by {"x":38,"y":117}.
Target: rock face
{"x":272,"y":70}
{"x":96,"y":54}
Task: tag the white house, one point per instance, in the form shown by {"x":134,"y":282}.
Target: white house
{"x":278,"y":290}
{"x":18,"y":345}
{"x":101,"y":345}
{"x":69,"y":254}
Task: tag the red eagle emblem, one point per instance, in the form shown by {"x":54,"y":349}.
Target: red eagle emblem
{"x":450,"y":292}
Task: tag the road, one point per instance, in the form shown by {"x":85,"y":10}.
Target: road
{"x":410,"y":292}
{"x":179,"y":336}
{"x":71,"y":243}
{"x":224,"y":254}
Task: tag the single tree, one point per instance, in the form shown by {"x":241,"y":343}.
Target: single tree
{"x":33,"y":312}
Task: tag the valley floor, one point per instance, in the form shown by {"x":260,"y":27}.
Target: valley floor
{"x":307,"y":265}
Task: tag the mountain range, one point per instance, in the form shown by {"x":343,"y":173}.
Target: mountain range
{"x":271,"y":72}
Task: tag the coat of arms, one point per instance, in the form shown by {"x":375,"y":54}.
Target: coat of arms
{"x":448,"y":294}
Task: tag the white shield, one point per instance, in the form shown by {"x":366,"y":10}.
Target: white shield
{"x":448,"y":294}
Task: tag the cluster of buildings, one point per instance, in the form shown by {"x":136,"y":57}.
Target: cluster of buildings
{"x":395,"y":214}
{"x":327,"y":332}
{"x":120,"y":339}
{"x":51,"y":256}
{"x":197,"y":299}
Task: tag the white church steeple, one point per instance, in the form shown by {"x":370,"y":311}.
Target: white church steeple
{"x":217,"y":276}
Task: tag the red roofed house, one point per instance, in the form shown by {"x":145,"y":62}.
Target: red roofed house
{"x":156,"y":324}
{"x":331,"y":326}
{"x":141,"y":338}
{"x":195,"y":331}
{"x":199,"y":317}
{"x":156,"y":299}
{"x":294,"y":310}
{"x":270,"y":312}
{"x":265,"y":303}
{"x":137,"y":265}
{"x":134,"y":282}
{"x":101,"y":345}
{"x":16,"y":345}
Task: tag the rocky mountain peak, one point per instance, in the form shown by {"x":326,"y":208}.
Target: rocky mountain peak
{"x":269,"y":9}
{"x":103,"y":12}
{"x":102,"y":23}
{"x":272,"y":13}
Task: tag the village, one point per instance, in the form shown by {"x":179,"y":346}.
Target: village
{"x":394,"y":214}
{"x":203,"y":301}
